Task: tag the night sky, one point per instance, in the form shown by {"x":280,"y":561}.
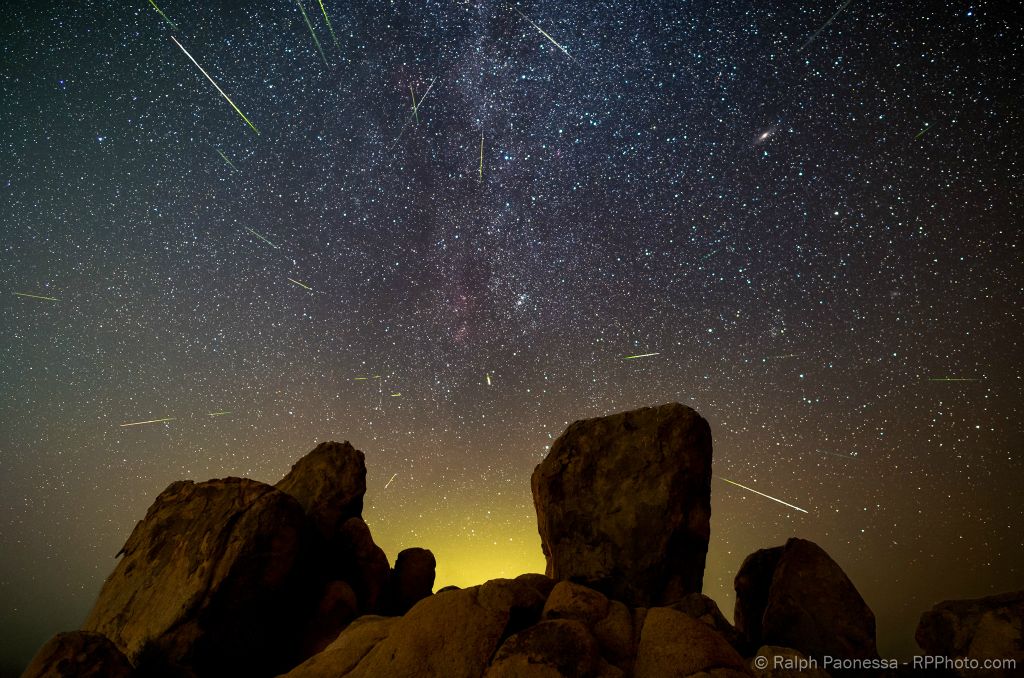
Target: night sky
{"x":813,"y":224}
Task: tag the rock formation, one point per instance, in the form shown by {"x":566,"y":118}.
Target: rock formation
{"x":79,"y":654}
{"x":983,"y":628}
{"x":624,"y":504}
{"x":796,"y":596}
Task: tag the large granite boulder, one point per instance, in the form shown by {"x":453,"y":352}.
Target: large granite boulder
{"x":796,"y":596}
{"x":412,"y":580}
{"x":983,"y":628}
{"x":561,"y":647}
{"x":347,"y":650}
{"x":79,"y":654}
{"x":329,"y":483}
{"x":675,"y":645}
{"x":624,"y":504}
{"x":209,"y":580}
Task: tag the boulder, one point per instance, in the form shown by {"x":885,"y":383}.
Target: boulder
{"x":624,"y":504}
{"x":810,"y":604}
{"x":447,"y":634}
{"x":705,"y":610}
{"x":347,"y":650}
{"x":616,"y":635}
{"x":337,"y":607}
{"x":329,"y":484}
{"x":79,"y":654}
{"x":362,"y":563}
{"x":561,"y":647}
{"x":674,"y":645}
{"x":412,"y":580}
{"x":210,"y":579}
{"x":572,"y":601}
{"x":520,"y":596}
{"x":982,"y":628}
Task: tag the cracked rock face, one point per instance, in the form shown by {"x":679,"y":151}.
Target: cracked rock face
{"x":624,"y":504}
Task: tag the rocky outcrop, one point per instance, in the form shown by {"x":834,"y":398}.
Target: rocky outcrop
{"x":329,"y":484}
{"x":79,"y":654}
{"x":796,"y":596}
{"x":560,"y":647}
{"x":363,"y":564}
{"x":412,"y":580}
{"x":209,"y":579}
{"x":983,"y":628}
{"x":624,"y":504}
{"x":673,"y":644}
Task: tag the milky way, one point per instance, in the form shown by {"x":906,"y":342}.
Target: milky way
{"x":455,"y":236}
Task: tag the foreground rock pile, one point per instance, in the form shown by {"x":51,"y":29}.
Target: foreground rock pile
{"x":234,"y":577}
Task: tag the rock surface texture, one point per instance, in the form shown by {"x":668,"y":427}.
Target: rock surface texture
{"x":982,"y":628}
{"x":624,"y":504}
{"x":796,"y":596}
{"x":79,"y":654}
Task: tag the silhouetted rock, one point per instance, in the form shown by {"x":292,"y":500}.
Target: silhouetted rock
{"x":982,"y":628}
{"x":209,"y":580}
{"x":412,"y":579}
{"x":673,"y":644}
{"x":329,"y":483}
{"x":347,"y":650}
{"x":624,"y":503}
{"x":561,"y":647}
{"x":79,"y":654}
{"x":573,"y":601}
{"x":362,"y":563}
{"x":810,"y":604}
{"x":703,"y":609}
{"x":337,"y":607}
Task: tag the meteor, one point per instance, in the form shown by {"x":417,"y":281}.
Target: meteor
{"x":488,"y":379}
{"x":823,"y":26}
{"x":415,"y":108}
{"x":481,"y":156}
{"x":762,"y":494}
{"x":921,"y":133}
{"x":261,"y":237}
{"x":35,"y":296}
{"x":389,"y":482}
{"x":396,"y":395}
{"x":301,"y":284}
{"x":161,"y":13}
{"x":542,"y":32}
{"x":329,"y":26}
{"x":151,"y":421}
{"x":227,"y":160}
{"x":212,"y":82}
{"x":952,"y":379}
{"x":642,"y":355}
{"x":416,"y":115}
{"x":216,"y":414}
{"x":311,"y":32}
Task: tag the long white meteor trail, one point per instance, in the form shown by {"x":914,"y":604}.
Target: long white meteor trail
{"x":642,"y":355}
{"x":151,"y":421}
{"x":389,"y":482}
{"x":212,"y":82}
{"x":823,"y":26}
{"x":767,"y":496}
{"x":544,"y":33}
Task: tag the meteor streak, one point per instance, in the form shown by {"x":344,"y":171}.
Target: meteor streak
{"x":396,"y":395}
{"x":415,"y":108}
{"x":151,"y":421}
{"x":762,"y":494}
{"x":481,"y":156}
{"x":952,"y":379}
{"x":553,"y":42}
{"x":488,"y":379}
{"x":35,"y":296}
{"x":927,"y":126}
{"x":642,"y":355}
{"x":161,"y":13}
{"x":261,"y":237}
{"x":212,"y":82}
{"x":389,"y":481}
{"x":823,"y":26}
{"x":227,"y":160}
{"x":301,"y":284}
{"x":311,"y":32}
{"x":216,"y":414}
{"x":329,"y":26}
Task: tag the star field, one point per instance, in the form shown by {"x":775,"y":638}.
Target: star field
{"x":818,"y":235}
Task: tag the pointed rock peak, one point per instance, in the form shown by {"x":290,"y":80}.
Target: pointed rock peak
{"x":329,"y":483}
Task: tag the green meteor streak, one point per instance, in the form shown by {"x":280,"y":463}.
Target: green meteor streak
{"x":227,"y":160}
{"x":921,"y":133}
{"x":952,"y":379}
{"x":415,"y":108}
{"x":301,"y":284}
{"x":329,"y":26}
{"x":481,"y":156}
{"x":310,"y":26}
{"x":642,"y":355}
{"x":160,"y":11}
{"x":217,"y":414}
{"x":35,"y":296}
{"x":261,"y":237}
{"x":767,"y":496}
{"x":212,"y":82}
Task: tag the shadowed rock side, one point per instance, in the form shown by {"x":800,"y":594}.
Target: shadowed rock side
{"x":796,"y":596}
{"x":983,"y":628}
{"x":624,"y":504}
{"x":79,"y":654}
{"x":208,"y":579}
{"x":329,"y":483}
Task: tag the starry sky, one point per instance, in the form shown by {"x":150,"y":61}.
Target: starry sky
{"x":809,"y":211}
